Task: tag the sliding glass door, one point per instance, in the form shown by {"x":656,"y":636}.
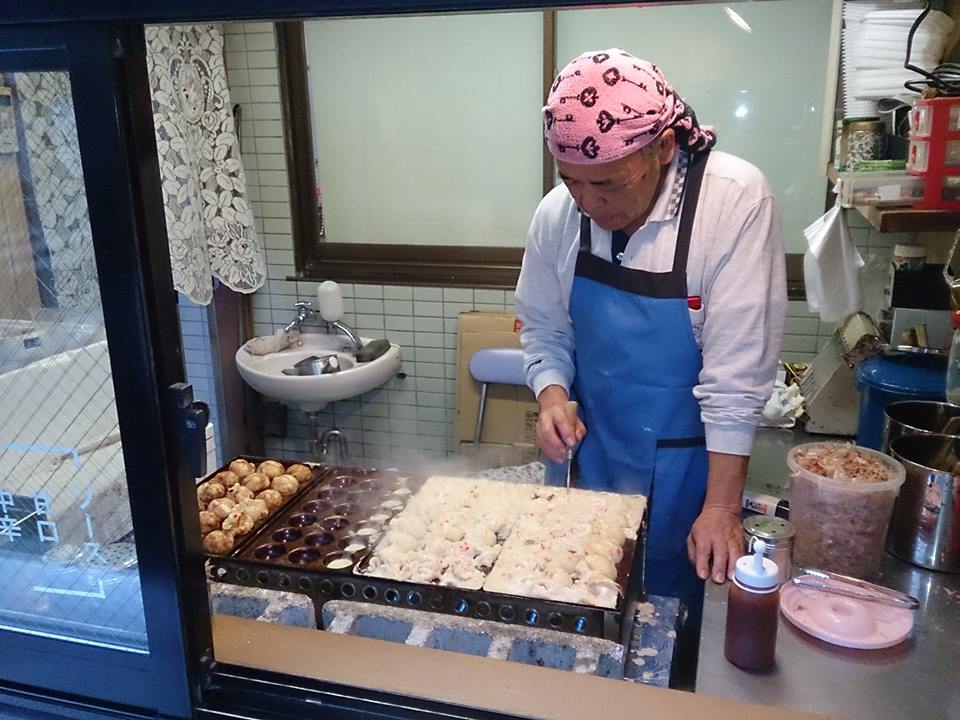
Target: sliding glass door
{"x":91,"y":604}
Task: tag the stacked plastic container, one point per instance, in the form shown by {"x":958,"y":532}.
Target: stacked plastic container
{"x":874,"y":47}
{"x":935,"y":151}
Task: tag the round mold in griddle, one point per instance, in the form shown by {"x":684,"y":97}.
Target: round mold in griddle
{"x":368,"y":485}
{"x":403,"y":492}
{"x":302,"y":519}
{"x":287,"y":534}
{"x":353,"y":545}
{"x":319,"y":539}
{"x":270,"y":551}
{"x":391,"y":505}
{"x":331,"y":494}
{"x":303,"y":556}
{"x":338,"y":560}
{"x":379,"y":518}
{"x":368,"y":529}
{"x":344,"y":509}
{"x":342,"y":481}
{"x":317,"y":507}
{"x":334,"y":523}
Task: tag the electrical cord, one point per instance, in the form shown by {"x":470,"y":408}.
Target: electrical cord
{"x":945,"y":78}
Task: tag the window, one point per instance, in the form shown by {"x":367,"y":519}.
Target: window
{"x":431,"y":178}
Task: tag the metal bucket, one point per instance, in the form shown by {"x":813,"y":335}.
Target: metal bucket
{"x":925,"y":529}
{"x":919,"y":417}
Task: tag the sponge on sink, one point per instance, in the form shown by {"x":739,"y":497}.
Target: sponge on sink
{"x":372,"y":350}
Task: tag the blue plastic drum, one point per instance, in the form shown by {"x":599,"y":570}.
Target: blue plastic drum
{"x":887,"y":379}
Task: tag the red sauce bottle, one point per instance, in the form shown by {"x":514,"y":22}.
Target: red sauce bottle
{"x":752,"y":611}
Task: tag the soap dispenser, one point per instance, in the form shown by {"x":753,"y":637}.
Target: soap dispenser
{"x":751,"y":638}
{"x":329,"y":301}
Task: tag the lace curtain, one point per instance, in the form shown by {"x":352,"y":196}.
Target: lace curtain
{"x":209,"y":222}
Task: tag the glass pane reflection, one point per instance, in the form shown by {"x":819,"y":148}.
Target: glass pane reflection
{"x":67,"y":559}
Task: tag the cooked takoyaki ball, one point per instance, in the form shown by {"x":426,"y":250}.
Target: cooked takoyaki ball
{"x":301,"y":472}
{"x":270,"y":468}
{"x":218,"y":542}
{"x":272,"y":498}
{"x":221,"y":507}
{"x":208,"y":522}
{"x":210,"y":491}
{"x":239,"y":493}
{"x":256,"y":510}
{"x":286,"y":485}
{"x":256,"y":482}
{"x":237,"y":522}
{"x":242,"y":467}
{"x":226,"y":478}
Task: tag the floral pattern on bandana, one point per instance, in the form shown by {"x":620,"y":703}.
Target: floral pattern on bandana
{"x":606,"y":105}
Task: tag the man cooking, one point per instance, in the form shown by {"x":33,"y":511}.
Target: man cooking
{"x":652,"y":292}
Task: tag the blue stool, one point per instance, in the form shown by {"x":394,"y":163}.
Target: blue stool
{"x":503,"y":366}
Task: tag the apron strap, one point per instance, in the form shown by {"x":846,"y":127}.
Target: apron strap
{"x":688,"y":211}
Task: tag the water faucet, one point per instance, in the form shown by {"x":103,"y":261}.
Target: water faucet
{"x":330,"y":308}
{"x":348,"y":331}
{"x":304,"y":311}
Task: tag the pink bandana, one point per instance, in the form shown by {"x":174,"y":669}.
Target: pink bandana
{"x":605,"y":105}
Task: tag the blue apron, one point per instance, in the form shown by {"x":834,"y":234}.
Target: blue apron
{"x":637,"y":362}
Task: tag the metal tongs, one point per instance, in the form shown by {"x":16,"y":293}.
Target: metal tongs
{"x":854,"y":588}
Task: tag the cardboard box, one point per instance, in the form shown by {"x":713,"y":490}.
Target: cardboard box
{"x":511,"y":411}
{"x":493,"y":455}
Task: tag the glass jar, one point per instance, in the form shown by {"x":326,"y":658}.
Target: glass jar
{"x":862,"y":139}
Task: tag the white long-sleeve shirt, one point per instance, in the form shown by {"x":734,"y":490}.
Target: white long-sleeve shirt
{"x":736,"y":265}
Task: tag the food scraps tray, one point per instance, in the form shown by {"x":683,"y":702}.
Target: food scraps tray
{"x":316,"y":547}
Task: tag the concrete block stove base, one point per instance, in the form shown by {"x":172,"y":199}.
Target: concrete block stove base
{"x":647,"y":661}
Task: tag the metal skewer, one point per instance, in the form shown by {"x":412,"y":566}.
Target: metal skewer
{"x":571,"y":411}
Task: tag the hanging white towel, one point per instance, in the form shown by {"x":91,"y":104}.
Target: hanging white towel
{"x":831,"y":267}
{"x":209,"y":223}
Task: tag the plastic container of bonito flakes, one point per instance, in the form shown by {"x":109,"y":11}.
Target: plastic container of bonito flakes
{"x":841,"y":501}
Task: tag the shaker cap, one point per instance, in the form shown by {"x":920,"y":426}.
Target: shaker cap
{"x":769,"y":528}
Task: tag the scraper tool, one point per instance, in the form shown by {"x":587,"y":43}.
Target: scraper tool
{"x":571,"y":411}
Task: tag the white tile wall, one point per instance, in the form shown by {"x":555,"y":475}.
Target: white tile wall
{"x":410,"y":417}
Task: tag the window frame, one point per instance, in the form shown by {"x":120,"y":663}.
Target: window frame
{"x":398,"y":264}
{"x":384,"y":263}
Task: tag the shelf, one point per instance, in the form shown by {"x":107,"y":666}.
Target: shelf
{"x":892,"y":220}
{"x":904,"y":219}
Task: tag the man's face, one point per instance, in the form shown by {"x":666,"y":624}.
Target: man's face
{"x":618,"y":195}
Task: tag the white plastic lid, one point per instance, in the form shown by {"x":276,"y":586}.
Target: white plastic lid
{"x":755,"y":570}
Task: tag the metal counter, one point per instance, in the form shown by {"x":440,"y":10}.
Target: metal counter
{"x":920,"y":678}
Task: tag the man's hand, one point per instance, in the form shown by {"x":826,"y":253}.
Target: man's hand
{"x":555,"y":433}
{"x":715,"y":542}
